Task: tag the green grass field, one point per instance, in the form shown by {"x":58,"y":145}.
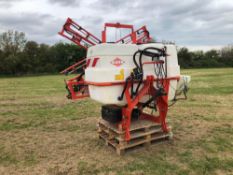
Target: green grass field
{"x":41,"y":132}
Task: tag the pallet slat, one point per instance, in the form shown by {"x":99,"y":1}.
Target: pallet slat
{"x":142,"y":133}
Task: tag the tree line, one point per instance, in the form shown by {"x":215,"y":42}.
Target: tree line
{"x":19,"y":56}
{"x":200,"y":59}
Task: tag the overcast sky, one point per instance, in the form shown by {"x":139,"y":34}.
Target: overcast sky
{"x":197,"y":24}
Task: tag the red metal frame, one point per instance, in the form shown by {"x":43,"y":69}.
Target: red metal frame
{"x":141,"y":35}
{"x":161,"y":102}
{"x":117,"y":25}
{"x":76,"y":81}
{"x":74,"y":32}
{"x":78,"y":65}
{"x":77,"y":95}
{"x":77,"y":34}
{"x":82,"y":93}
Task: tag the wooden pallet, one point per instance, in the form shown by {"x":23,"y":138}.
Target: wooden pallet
{"x":142,"y":132}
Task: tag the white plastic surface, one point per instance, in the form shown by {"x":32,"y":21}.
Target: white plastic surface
{"x":105,"y":71}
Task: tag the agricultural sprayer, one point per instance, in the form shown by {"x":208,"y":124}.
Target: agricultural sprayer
{"x":127,"y":76}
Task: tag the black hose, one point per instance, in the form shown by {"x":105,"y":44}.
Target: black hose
{"x":141,"y":76}
{"x":134,"y":58}
{"x":139,"y":69}
{"x":150,"y":54}
{"x":122,"y":94}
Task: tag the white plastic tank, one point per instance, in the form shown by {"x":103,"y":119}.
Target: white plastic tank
{"x":110,"y":64}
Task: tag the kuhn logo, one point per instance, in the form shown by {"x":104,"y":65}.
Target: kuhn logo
{"x":117,"y":62}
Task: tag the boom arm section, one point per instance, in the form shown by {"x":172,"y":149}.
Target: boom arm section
{"x":142,"y":36}
{"x":78,"y":35}
{"x":76,"y":87}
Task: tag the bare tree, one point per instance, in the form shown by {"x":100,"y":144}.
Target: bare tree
{"x":12,"y":42}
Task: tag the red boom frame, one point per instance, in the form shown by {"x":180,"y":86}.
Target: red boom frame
{"x":75,"y":33}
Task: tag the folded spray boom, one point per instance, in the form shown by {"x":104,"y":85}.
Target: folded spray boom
{"x":126,"y":76}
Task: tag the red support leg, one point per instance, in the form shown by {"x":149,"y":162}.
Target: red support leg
{"x":162,"y":104}
{"x":162,"y":107}
{"x":126,"y":122}
{"x":127,"y":111}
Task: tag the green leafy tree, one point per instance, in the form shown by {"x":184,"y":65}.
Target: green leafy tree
{"x":211,"y":59}
{"x":226,"y":55}
{"x":64,"y":55}
{"x":184,"y":57}
{"x":31,"y":59}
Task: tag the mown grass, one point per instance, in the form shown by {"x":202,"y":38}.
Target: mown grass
{"x":41,"y":132}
